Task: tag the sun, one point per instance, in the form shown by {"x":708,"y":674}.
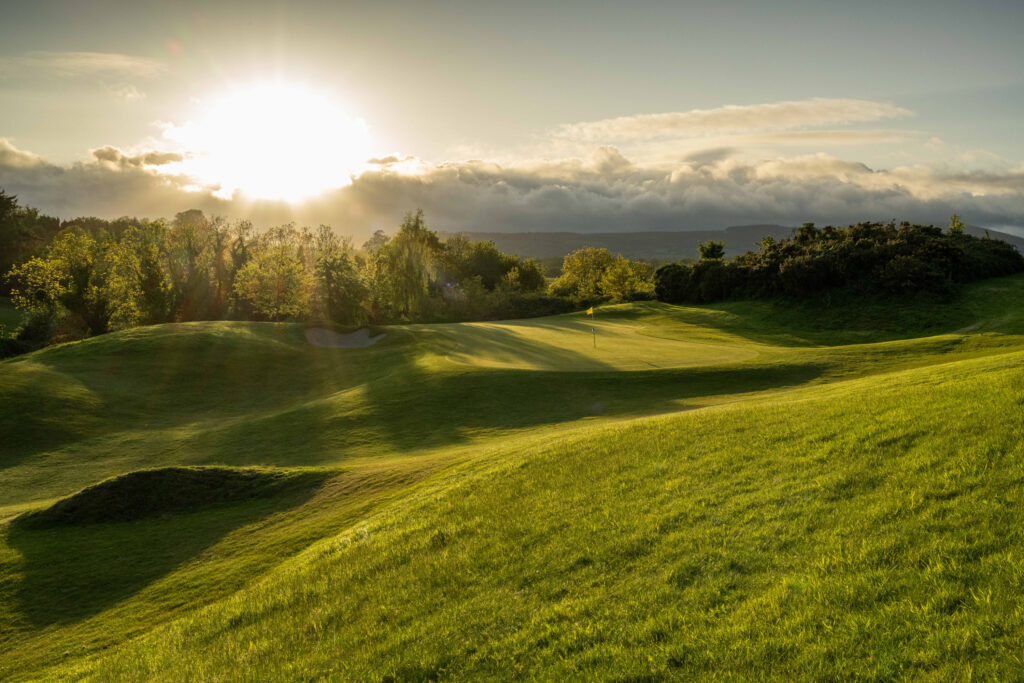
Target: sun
{"x":272,"y":141}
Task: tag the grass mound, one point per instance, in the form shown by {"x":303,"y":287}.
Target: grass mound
{"x":151,"y":493}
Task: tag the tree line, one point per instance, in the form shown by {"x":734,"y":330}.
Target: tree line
{"x":88,"y":276}
{"x":881,"y":257}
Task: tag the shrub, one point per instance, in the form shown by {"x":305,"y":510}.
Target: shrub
{"x":863,"y":256}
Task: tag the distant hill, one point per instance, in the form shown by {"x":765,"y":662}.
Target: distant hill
{"x":657,"y":246}
{"x":996,"y":235}
{"x":660,"y":246}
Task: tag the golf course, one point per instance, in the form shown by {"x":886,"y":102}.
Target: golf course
{"x":820,"y":490}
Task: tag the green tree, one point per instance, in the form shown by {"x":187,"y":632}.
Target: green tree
{"x":711,"y":250}
{"x":624,"y":278}
{"x":807,"y":233}
{"x":37,"y":286}
{"x":376,"y":241}
{"x":956,"y":226}
{"x":582,"y":271}
{"x":121,"y":281}
{"x":75,"y":254}
{"x":403,"y":267}
{"x":340,"y":286}
{"x":274,"y":281}
{"x":190,"y":259}
{"x":23,"y":233}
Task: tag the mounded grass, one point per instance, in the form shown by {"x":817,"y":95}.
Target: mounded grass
{"x":480,"y":500}
{"x":166,"y":491}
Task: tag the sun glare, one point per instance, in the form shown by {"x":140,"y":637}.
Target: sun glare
{"x":273,"y":142}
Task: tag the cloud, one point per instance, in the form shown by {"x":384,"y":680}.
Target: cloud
{"x":124,"y":91}
{"x":730,"y":119}
{"x":832,"y":138}
{"x":604,"y":191}
{"x":710,"y":156}
{"x":81,"y":64}
{"x":13,"y":158}
{"x":114,"y":73}
{"x":115,"y":158}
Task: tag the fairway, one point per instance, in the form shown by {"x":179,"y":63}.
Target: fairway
{"x":712,"y":490}
{"x":615,"y":340}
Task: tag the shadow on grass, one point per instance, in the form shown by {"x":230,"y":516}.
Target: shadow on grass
{"x":414,"y":408}
{"x":160,"y":379}
{"x":838,"y":317}
{"x":70,"y":569}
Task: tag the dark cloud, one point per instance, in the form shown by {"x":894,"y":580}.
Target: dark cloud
{"x":605,"y":192}
{"x":710,"y":156}
{"x":116,"y":158}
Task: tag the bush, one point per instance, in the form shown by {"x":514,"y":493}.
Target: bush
{"x":866,"y":256}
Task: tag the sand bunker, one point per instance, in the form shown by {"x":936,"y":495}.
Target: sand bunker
{"x":319,"y":336}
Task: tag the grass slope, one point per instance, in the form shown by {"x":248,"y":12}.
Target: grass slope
{"x":857,"y":532}
{"x":640,"y":545}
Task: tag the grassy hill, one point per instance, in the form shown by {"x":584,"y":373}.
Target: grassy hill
{"x":819,"y":489}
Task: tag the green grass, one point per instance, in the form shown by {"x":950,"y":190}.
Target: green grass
{"x":806,"y":489}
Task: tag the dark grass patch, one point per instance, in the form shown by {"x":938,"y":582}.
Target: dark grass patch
{"x":168,"y":490}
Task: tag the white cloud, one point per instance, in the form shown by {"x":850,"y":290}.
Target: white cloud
{"x":80,"y":64}
{"x":731,"y":119}
{"x":125,"y":91}
{"x":115,"y":73}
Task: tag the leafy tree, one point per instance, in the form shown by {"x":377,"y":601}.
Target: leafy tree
{"x":582,"y":271}
{"x":190,"y":260}
{"x":274,"y":281}
{"x":340,"y":286}
{"x":121,"y":284}
{"x":405,"y":264}
{"x":23,"y":233}
{"x":711,"y":250}
{"x":38,"y":286}
{"x":807,"y":233}
{"x":75,"y":255}
{"x":531,"y":276}
{"x":378,"y":240}
{"x":624,"y":278}
{"x":884,"y":257}
{"x":956,"y":226}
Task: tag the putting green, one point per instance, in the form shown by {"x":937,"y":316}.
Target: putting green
{"x":575,"y":343}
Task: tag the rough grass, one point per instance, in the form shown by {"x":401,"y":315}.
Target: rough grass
{"x":798,"y":489}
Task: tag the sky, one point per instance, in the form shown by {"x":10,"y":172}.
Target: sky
{"x":546,"y":116}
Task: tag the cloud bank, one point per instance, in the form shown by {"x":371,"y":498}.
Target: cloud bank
{"x":600,"y":193}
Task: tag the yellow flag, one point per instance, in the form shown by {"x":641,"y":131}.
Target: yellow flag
{"x":590,"y":311}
